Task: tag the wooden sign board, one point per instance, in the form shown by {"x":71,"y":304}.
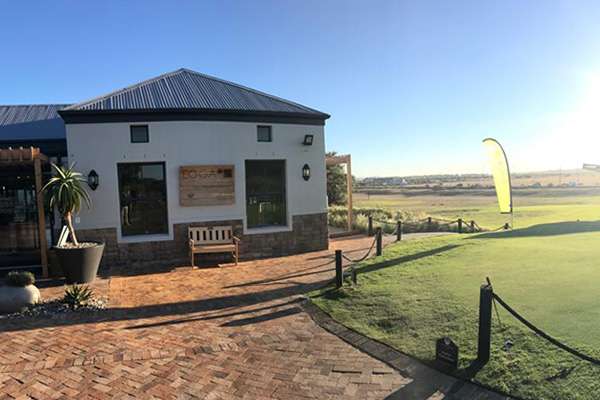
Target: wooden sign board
{"x":206,"y":185}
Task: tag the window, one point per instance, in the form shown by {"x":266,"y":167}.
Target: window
{"x":139,"y":133}
{"x":263,"y":133}
{"x":265,"y":193}
{"x":143,"y":198}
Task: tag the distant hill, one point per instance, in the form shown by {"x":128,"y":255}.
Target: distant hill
{"x":559,"y":178}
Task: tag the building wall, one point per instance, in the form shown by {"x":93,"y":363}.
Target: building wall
{"x":100,"y":146}
{"x":309,"y":233}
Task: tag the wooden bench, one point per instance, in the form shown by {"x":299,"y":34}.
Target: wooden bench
{"x":214,"y":239}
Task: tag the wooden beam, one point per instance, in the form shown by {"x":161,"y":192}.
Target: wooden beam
{"x":349,"y":191}
{"x":345,"y":159}
{"x":336,"y":160}
{"x":21,"y":156}
{"x":37,"y":165}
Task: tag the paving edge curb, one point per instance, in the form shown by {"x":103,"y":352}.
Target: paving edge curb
{"x":429,"y":379}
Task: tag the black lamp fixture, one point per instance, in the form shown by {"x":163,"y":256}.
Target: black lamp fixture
{"x":308,"y":140}
{"x":306,"y":172}
{"x":93,"y":180}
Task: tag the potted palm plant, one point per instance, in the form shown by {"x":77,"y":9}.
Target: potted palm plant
{"x":65,"y":192}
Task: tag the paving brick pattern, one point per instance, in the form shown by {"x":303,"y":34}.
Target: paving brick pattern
{"x":221,"y":333}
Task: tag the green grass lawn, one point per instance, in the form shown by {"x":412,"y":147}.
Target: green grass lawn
{"x":421,"y":290}
{"x":532,"y":206}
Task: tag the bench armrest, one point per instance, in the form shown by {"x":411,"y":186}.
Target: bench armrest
{"x":235,"y":239}
{"x":191,"y":242}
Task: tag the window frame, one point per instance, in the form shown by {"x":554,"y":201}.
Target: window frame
{"x":131,"y":128}
{"x":167,"y":231}
{"x":270,"y":128}
{"x":284,"y":195}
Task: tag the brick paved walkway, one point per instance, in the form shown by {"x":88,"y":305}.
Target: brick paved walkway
{"x":222,"y":333}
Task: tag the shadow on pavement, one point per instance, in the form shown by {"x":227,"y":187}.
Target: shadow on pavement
{"x":156,"y":310}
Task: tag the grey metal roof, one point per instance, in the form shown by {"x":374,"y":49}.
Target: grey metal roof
{"x":184,"y":89}
{"x":34,"y":121}
{"x":19,"y":114}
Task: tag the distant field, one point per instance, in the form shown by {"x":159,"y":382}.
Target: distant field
{"x":532,"y":206}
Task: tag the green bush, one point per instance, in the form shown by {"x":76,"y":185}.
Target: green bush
{"x":411,"y":222}
{"x":20,"y":278}
{"x":77,"y":295}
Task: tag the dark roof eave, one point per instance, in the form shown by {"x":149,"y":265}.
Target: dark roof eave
{"x":137,"y":115}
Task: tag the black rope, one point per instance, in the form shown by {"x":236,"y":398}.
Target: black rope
{"x":363,"y":257}
{"x":543,"y":334}
{"x":489,"y":282}
{"x":389,"y":222}
{"x":439,"y":223}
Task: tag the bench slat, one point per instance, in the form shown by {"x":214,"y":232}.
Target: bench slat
{"x":215,"y":239}
{"x":214,"y":235}
{"x":215,"y":248}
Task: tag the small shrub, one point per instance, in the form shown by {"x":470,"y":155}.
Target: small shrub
{"x":20,"y":278}
{"x":411,"y":221}
{"x":77,"y":295}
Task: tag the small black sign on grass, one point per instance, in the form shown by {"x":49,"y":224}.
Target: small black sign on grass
{"x":446,"y":353}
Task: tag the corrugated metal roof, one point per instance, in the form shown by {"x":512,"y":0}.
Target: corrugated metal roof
{"x":31,"y":122}
{"x":184,"y":89}
{"x":11,"y":115}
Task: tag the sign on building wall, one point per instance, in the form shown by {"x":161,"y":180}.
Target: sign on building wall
{"x":206,"y":185}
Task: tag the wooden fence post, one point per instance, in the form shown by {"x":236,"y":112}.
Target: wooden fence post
{"x":398,"y":231}
{"x":472,"y":226}
{"x":378,"y":239}
{"x":428,"y":224}
{"x":485,"y":323}
{"x":370,"y":226}
{"x":338,"y":269}
{"x":460,"y":225}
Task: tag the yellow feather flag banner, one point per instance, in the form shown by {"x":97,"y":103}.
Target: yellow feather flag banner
{"x":501,"y":174}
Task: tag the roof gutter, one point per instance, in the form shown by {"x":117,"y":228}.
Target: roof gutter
{"x":146,"y":115}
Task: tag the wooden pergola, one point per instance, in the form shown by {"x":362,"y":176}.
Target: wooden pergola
{"x":32,"y":156}
{"x":347,"y":160}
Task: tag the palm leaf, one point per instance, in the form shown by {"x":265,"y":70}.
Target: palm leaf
{"x":65,"y":191}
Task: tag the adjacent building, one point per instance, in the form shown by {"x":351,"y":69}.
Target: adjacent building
{"x":182,"y":149}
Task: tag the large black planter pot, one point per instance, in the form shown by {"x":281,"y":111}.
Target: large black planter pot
{"x":80,"y":265}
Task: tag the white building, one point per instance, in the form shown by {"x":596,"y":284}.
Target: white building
{"x":185,"y":149}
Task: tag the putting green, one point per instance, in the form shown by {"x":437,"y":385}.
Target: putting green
{"x":421,"y":290}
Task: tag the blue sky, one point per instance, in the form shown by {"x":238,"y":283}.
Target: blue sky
{"x":412,"y":87}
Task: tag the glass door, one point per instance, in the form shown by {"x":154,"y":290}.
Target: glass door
{"x":19,"y":236}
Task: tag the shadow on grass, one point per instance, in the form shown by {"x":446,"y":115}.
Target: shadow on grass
{"x":335,"y":294}
{"x":551,"y":229}
{"x":405,"y":259}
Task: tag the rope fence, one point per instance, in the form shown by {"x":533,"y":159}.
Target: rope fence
{"x":340,"y":274}
{"x":543,"y":334}
{"x":364,"y":257}
{"x":487,"y":298}
{"x":429,"y":224}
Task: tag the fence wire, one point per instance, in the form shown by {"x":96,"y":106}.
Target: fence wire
{"x":544,"y":335}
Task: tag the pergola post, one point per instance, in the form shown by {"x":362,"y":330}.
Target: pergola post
{"x":39,"y":195}
{"x":345,"y":159}
{"x":349,"y":193}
